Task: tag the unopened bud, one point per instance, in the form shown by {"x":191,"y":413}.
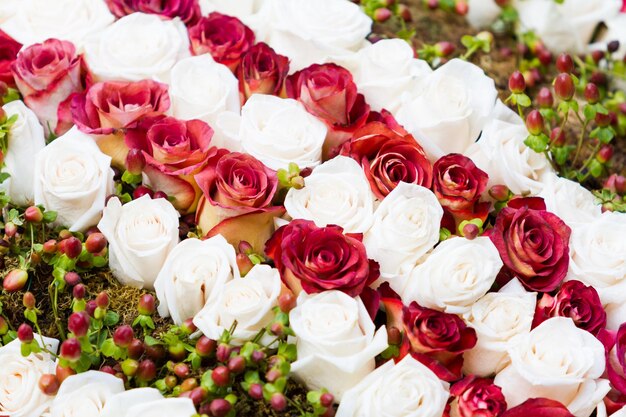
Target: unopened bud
{"x":135,"y":161}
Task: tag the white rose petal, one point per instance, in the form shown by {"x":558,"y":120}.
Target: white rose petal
{"x":337,"y":192}
{"x":336,"y":340}
{"x":406,"y":389}
{"x":278,"y":131}
{"x":85,"y":394}
{"x":405,"y":227}
{"x":559,"y":361}
{"x":482,"y":13}
{"x":616,"y":31}
{"x":124,"y":403}
{"x":26,"y":139}
{"x":249,"y":301}
{"x":141,"y":234}
{"x":454,"y":276}
{"x":569,"y":200}
{"x":136,"y":47}
{"x":450,"y":108}
{"x":73,"y":177}
{"x":250,"y":12}
{"x":193,"y":275}
{"x":497,"y":318}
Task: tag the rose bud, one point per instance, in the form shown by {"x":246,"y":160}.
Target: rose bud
{"x":141,"y":191}
{"x":130,"y":367}
{"x":4,"y":326}
{"x":616,"y":183}
{"x":278,"y":402}
{"x":236,"y":364}
{"x":444,"y":48}
{"x":544,"y":98}
{"x":517,"y":84}
{"x":25,"y":333}
{"x":136,"y":349}
{"x":49,"y":384}
{"x":477,"y":397}
{"x":50,"y":246}
{"x":78,"y":324}
{"x":603,"y":120}
{"x":79,"y":291}
{"x":382,"y":14}
{"x":604,"y":154}
{"x":95,"y":243}
{"x":205,"y":347}
{"x":102,"y":300}
{"x":28,"y":300}
{"x":72,"y":278}
{"x":33,"y":214}
{"x":255,"y":391}
{"x":592,"y":94}
{"x":262,"y":71}
{"x":221,"y":376}
{"x":470,"y":231}
{"x":557,"y":137}
{"x":71,"y":247}
{"x":15,"y":280}
{"x":146,"y":371}
{"x":534,"y":122}
{"x":220,"y":407}
{"x":70,"y":350}
{"x":90,"y":306}
{"x":146,"y":305}
{"x":564,"y":87}
{"x":9,"y":49}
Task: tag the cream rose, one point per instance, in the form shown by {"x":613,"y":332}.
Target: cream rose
{"x":482,"y":13}
{"x":497,"y":317}
{"x":502,"y":153}
{"x":137,"y":47}
{"x":559,"y":361}
{"x":73,"y":177}
{"x":450,"y":108}
{"x":406,"y":389}
{"x":26,"y":139}
{"x":34,"y":21}
{"x":336,"y":340}
{"x":249,"y":301}
{"x":405,"y":227}
{"x":20,"y":395}
{"x":454,"y":276}
{"x":616,"y":31}
{"x":278,"y":131}
{"x":141,"y":234}
{"x":337,"y":192}
{"x":146,"y":401}
{"x":193,"y":275}
{"x":569,"y":200}
{"x":85,"y":395}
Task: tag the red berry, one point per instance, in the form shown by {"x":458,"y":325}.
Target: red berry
{"x":534,"y":122}
{"x":70,"y":350}
{"x":25,"y":333}
{"x":79,"y":291}
{"x":49,"y":384}
{"x":62,"y":373}
{"x":95,"y":243}
{"x":108,"y":370}
{"x":592,"y":94}
{"x":146,"y":305}
{"x":28,"y":300}
{"x":382,"y":14}
{"x":470,"y":231}
{"x":141,"y":191}
{"x":135,"y":161}
{"x":130,"y":367}
{"x":72,"y":278}
{"x":146,"y":371}
{"x":78,"y":324}
{"x":605,"y":153}
{"x":4,"y":326}
{"x":544,"y":56}
{"x":237,"y":364}
{"x":500,"y":192}
{"x":50,"y":246}
{"x":544,"y":98}
{"x":461,"y":7}
{"x":603,"y":120}
{"x":517,"y":84}
{"x":90,"y":307}
{"x":272,"y":375}
{"x":278,"y":402}
{"x":257,"y":356}
{"x":444,"y":48}
{"x":564,"y":63}
{"x":188,"y":326}
{"x":597,"y":56}
{"x":10,"y":229}
{"x":177,"y":352}
{"x":156,"y":352}
{"x":219,"y":407}
{"x":221,"y":376}
{"x":71,"y":247}
{"x":123,"y":336}
{"x":159,"y":194}
{"x":33,"y":214}
{"x":136,"y":349}
{"x":15,"y":280}
{"x":189,"y":384}
{"x":612,"y":46}
{"x":326,"y":399}
{"x":255,"y":391}
{"x":564,"y":87}
{"x":205,"y":346}
{"x":182,"y":370}
{"x":557,"y":137}
{"x":102,"y":300}
{"x":405,"y":13}
{"x":223,"y":352}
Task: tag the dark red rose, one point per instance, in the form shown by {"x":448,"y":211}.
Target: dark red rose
{"x":533,"y":244}
{"x":316,"y":259}
{"x":388,"y":157}
{"x":262,"y":71}
{"x":615,"y":346}
{"x":328,"y":92}
{"x":187,"y":10}
{"x":477,"y":397}
{"x":224,"y":37}
{"x":9,"y":48}
{"x":539,"y":407}
{"x":575,"y":300}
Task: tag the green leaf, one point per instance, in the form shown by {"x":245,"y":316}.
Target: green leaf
{"x":589,"y":111}
{"x":606,"y":134}
{"x":111,"y":318}
{"x":468,"y":41}
{"x":596,"y":168}
{"x":151,"y":341}
{"x":30,"y":315}
{"x":25,"y":349}
{"x":313,"y":397}
{"x":289,"y":351}
{"x":108,"y":348}
{"x":523,"y":100}
{"x":100,"y":261}
{"x":4,"y":176}
{"x":561,"y":154}
{"x":537,"y":143}
{"x":131,"y":179}
{"x":49,"y":216}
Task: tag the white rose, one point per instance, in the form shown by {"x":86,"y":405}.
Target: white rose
{"x":598,"y":256}
{"x":497,"y":318}
{"x":615,"y":315}
{"x":311,"y":32}
{"x":406,"y":389}
{"x":450,"y":108}
{"x":384,"y":71}
{"x":559,"y":361}
{"x":454,"y":276}
{"x":482,"y":13}
{"x":85,"y":395}
{"x":405,"y":227}
{"x":250,"y":12}
{"x":34,"y":21}
{"x":501,"y":153}
{"x":249,"y":301}
{"x":616,"y":31}
{"x":136,"y":47}
{"x":146,"y":402}
{"x":193,"y":275}
{"x":278,"y":131}
{"x":566,"y":27}
{"x":20,"y":395}
{"x":336,"y":340}
{"x":26,"y":139}
{"x":141,"y":234}
{"x":569,"y":200}
{"x":337,"y":192}
{"x":73,"y":177}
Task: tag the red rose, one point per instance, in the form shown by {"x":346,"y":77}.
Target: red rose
{"x":477,"y":397}
{"x":577,"y":301}
{"x":533,"y":244}
{"x":388,"y":157}
{"x":616,"y":368}
{"x":328,"y":92}
{"x":539,"y":407}
{"x":9,"y":48}
{"x":262,"y":71}
{"x":47,"y":74}
{"x":224,"y":37}
{"x":187,"y":10}
{"x":316,"y":259}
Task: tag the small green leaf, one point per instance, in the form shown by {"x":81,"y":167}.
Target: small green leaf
{"x":111,"y":318}
{"x":49,"y":216}
{"x":537,"y":143}
{"x":596,"y":168}
{"x":108,"y":348}
{"x":589,"y":111}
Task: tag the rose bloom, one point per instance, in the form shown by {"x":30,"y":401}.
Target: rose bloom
{"x":616,"y":365}
{"x":47,"y":74}
{"x":85,"y":394}
{"x":388,"y":155}
{"x":476,"y":397}
{"x":328,"y":92}
{"x":533,"y":244}
{"x":262,"y":71}
{"x":317,"y":259}
{"x":187,"y":10}
{"x":9,"y":48}
{"x":539,"y":407}
{"x":577,"y":301}
{"x":224,"y":37}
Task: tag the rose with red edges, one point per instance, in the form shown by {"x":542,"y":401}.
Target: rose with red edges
{"x":187,"y":10}
{"x":539,"y":407}
{"x":477,"y":397}
{"x":9,"y":48}
{"x":262,"y":71}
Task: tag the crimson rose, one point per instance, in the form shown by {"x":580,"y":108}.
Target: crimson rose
{"x":539,"y":407}
{"x":9,"y":48}
{"x":262,"y":71}
{"x":477,"y":397}
{"x":187,"y":10}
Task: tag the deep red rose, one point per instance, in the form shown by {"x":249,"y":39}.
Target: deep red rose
{"x":187,"y":10}
{"x":9,"y":48}
{"x":539,"y":407}
{"x":47,"y":74}
{"x":616,"y":367}
{"x":329,"y":92}
{"x":388,"y":158}
{"x":108,"y":106}
{"x":575,"y":300}
{"x":533,"y":244}
{"x":262,"y":71}
{"x":477,"y":397}
{"x":226,"y":38}
{"x":316,"y":259}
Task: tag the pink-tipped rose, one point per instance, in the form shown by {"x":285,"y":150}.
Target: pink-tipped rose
{"x":539,"y":407}
{"x":262,"y":71}
{"x":9,"y":48}
{"x":187,"y":10}
{"x":477,"y":397}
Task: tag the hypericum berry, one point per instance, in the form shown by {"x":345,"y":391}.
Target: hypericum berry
{"x":444,"y":48}
{"x":534,"y":122}
{"x":182,"y":370}
{"x":394,"y":336}
{"x":130,"y":367}
{"x":10,"y":229}
{"x":605,"y":153}
{"x":237,"y":364}
{"x":286,"y":302}
{"x":327,"y":399}
{"x":564,"y":87}
{"x":28,"y":300}
{"x":33,"y":214}
{"x":219,"y":407}
{"x":189,"y":384}
{"x":78,"y":324}
{"x":95,"y":243}
{"x":257,"y":356}
{"x":146,"y":371}
{"x":90,"y":307}
{"x":141,"y":191}
{"x":405,"y":13}
{"x":205,"y":346}
{"x":557,"y":137}
{"x":79,"y":291}
{"x":146,"y":305}
{"x":135,"y":161}
{"x":255,"y":391}
{"x":382,"y":14}
{"x":223,"y":352}
{"x":177,"y":351}
{"x":517,"y":84}
{"x":62,"y":373}
{"x":597,"y":56}
{"x":70,"y":350}
{"x":221,"y":376}
{"x":544,"y":98}
{"x":612,"y":46}
{"x":123,"y":336}
{"x":616,"y":183}
{"x":544,"y":56}
{"x":159,"y":194}
{"x":461,"y":7}
{"x":72,"y":278}
{"x":102,"y":300}
{"x":25,"y":333}
{"x":136,"y":349}
{"x":277,"y":329}
{"x":592,"y":93}
{"x":15,"y":280}
{"x":49,"y":384}
{"x":470,"y":231}
{"x":188,"y":327}
{"x":4,"y":326}
{"x":603,"y":120}
{"x":272,"y":375}
{"x":50,"y":246}
{"x":564,"y":63}
{"x":71,"y":247}
{"x":500,"y":192}
{"x":108,"y":370}
{"x":278,"y":402}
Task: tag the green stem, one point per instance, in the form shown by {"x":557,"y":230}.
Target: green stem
{"x":579,"y":145}
{"x":43,"y":343}
{"x":54,"y":297}
{"x":588,"y":161}
{"x":470,"y":52}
